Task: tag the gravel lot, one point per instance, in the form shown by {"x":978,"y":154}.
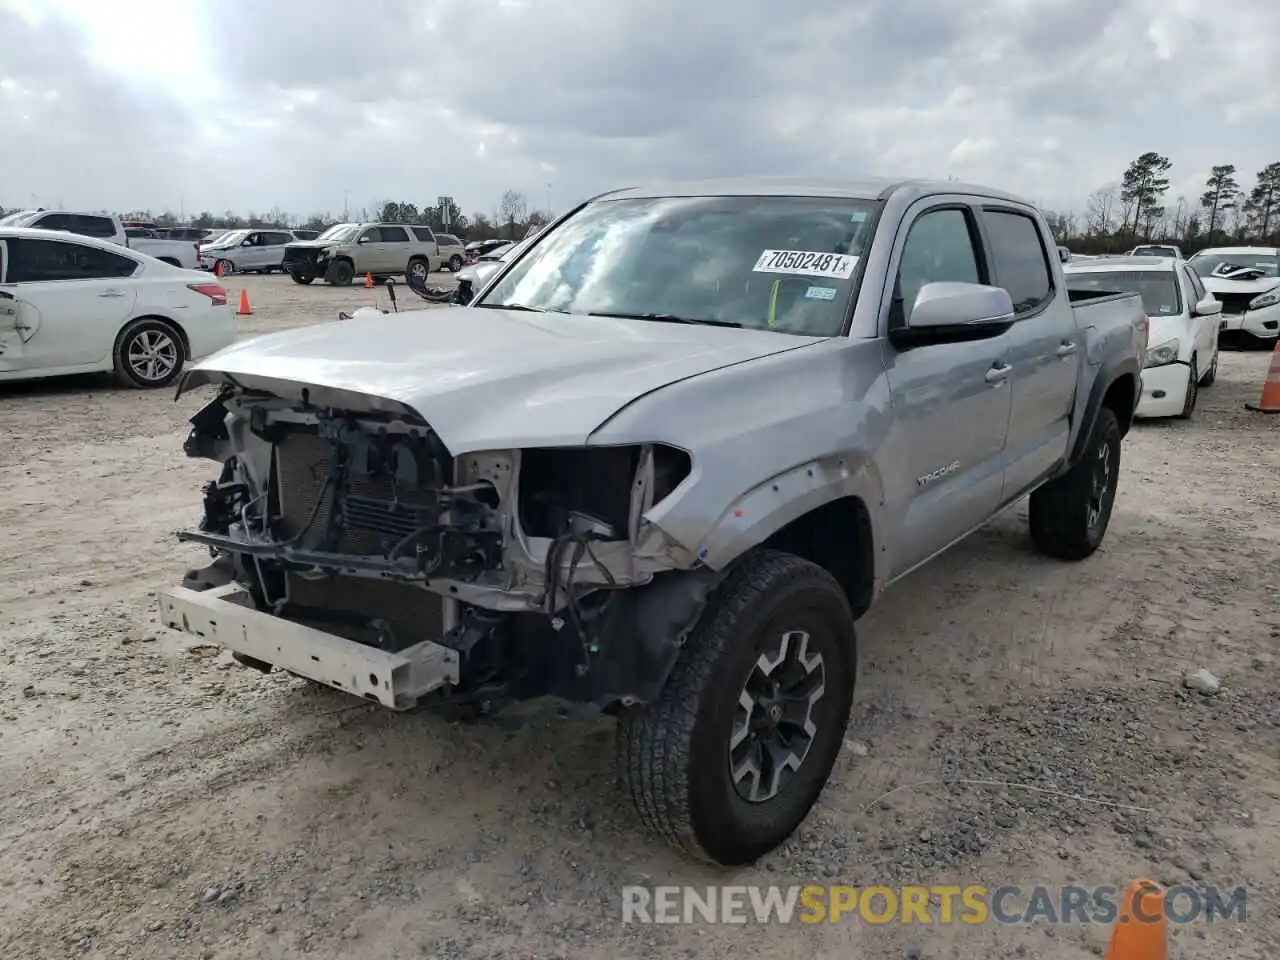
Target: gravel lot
{"x":157,"y":801}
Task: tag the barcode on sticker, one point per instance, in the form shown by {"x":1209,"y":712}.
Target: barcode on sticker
{"x":806,"y":263}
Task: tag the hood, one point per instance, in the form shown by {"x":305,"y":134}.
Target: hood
{"x":311,"y":244}
{"x":488,"y":379}
{"x":1226,"y":285}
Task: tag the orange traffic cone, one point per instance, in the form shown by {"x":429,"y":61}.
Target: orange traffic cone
{"x":368,"y":281}
{"x":245,"y":310}
{"x":1270,"y":400}
{"x":217,"y":269}
{"x":1140,"y":932}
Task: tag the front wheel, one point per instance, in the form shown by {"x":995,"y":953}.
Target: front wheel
{"x":148,"y":354}
{"x":1070,"y":514}
{"x":302,"y":278}
{"x":455,"y":263}
{"x":1193,"y":392}
{"x":340,"y":273}
{"x":1212,"y":373}
{"x":226,"y":267}
{"x":732,"y":756}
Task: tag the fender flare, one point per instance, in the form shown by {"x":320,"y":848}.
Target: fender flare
{"x":1107,"y":377}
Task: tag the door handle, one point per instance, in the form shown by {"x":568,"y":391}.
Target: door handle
{"x":111,"y":293}
{"x":998,"y":374}
{"x":1066,"y":348}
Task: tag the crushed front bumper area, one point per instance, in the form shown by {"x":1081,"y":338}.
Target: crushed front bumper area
{"x":225,"y":616}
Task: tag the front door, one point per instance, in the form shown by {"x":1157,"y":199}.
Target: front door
{"x":942,"y":458}
{"x":1045,"y":348}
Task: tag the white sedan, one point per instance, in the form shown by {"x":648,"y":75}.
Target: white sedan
{"x":1182,"y":352}
{"x":71,"y":304}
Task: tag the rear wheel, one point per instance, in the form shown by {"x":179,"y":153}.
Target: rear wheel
{"x":340,"y":273}
{"x":455,"y":263}
{"x":734,"y":753}
{"x":418,"y":270}
{"x":1070,"y":514}
{"x":148,"y":354}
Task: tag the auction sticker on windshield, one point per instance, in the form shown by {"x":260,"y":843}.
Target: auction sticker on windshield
{"x":806,"y":263}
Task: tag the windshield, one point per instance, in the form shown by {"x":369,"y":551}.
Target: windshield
{"x":340,"y":232}
{"x":778,"y":263}
{"x":1154,"y":252}
{"x":1158,"y":288}
{"x":1205,"y":263}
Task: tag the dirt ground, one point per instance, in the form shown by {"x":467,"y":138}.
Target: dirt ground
{"x":158,"y":801}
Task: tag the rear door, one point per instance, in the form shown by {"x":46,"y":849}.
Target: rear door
{"x":72,"y":300}
{"x":1044,"y":349}
{"x":943,"y":456}
{"x":392,"y":248}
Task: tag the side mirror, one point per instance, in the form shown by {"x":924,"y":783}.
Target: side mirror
{"x":951,"y":312}
{"x":1064,"y":254}
{"x":1208,"y":307}
{"x":363,"y":240}
{"x":464,"y":293}
{"x":246,"y":242}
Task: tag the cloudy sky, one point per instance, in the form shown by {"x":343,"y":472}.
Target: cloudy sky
{"x":250,"y":104}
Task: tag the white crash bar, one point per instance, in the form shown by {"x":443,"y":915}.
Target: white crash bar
{"x":224,"y":617}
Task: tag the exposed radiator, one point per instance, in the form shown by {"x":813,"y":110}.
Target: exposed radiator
{"x":303,"y":462}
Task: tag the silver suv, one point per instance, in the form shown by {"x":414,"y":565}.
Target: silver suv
{"x":247,"y":251}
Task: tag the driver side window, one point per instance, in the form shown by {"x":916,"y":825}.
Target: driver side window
{"x":939,"y":248}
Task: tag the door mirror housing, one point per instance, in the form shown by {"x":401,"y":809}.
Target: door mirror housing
{"x":952,"y":312}
{"x":1208,"y":307}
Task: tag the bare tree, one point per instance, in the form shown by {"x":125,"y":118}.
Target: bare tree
{"x":513,"y":208}
{"x":1100,"y":210}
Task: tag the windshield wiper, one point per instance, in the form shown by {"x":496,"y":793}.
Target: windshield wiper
{"x":668,"y":318}
{"x":523,"y":307}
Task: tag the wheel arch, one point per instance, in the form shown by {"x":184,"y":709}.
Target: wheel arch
{"x":1117,"y":390}
{"x":826,"y":513}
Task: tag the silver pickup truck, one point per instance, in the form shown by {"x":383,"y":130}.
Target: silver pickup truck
{"x":660,"y":463}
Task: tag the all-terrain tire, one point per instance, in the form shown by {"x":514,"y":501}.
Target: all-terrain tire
{"x":340,"y":273}
{"x":674,"y":753}
{"x":1064,"y":523}
{"x":148,"y":354}
{"x":302,"y":278}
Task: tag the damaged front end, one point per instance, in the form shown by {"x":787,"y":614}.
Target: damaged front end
{"x":522,"y":572}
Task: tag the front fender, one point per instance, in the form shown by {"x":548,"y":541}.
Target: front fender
{"x":765,"y":509}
